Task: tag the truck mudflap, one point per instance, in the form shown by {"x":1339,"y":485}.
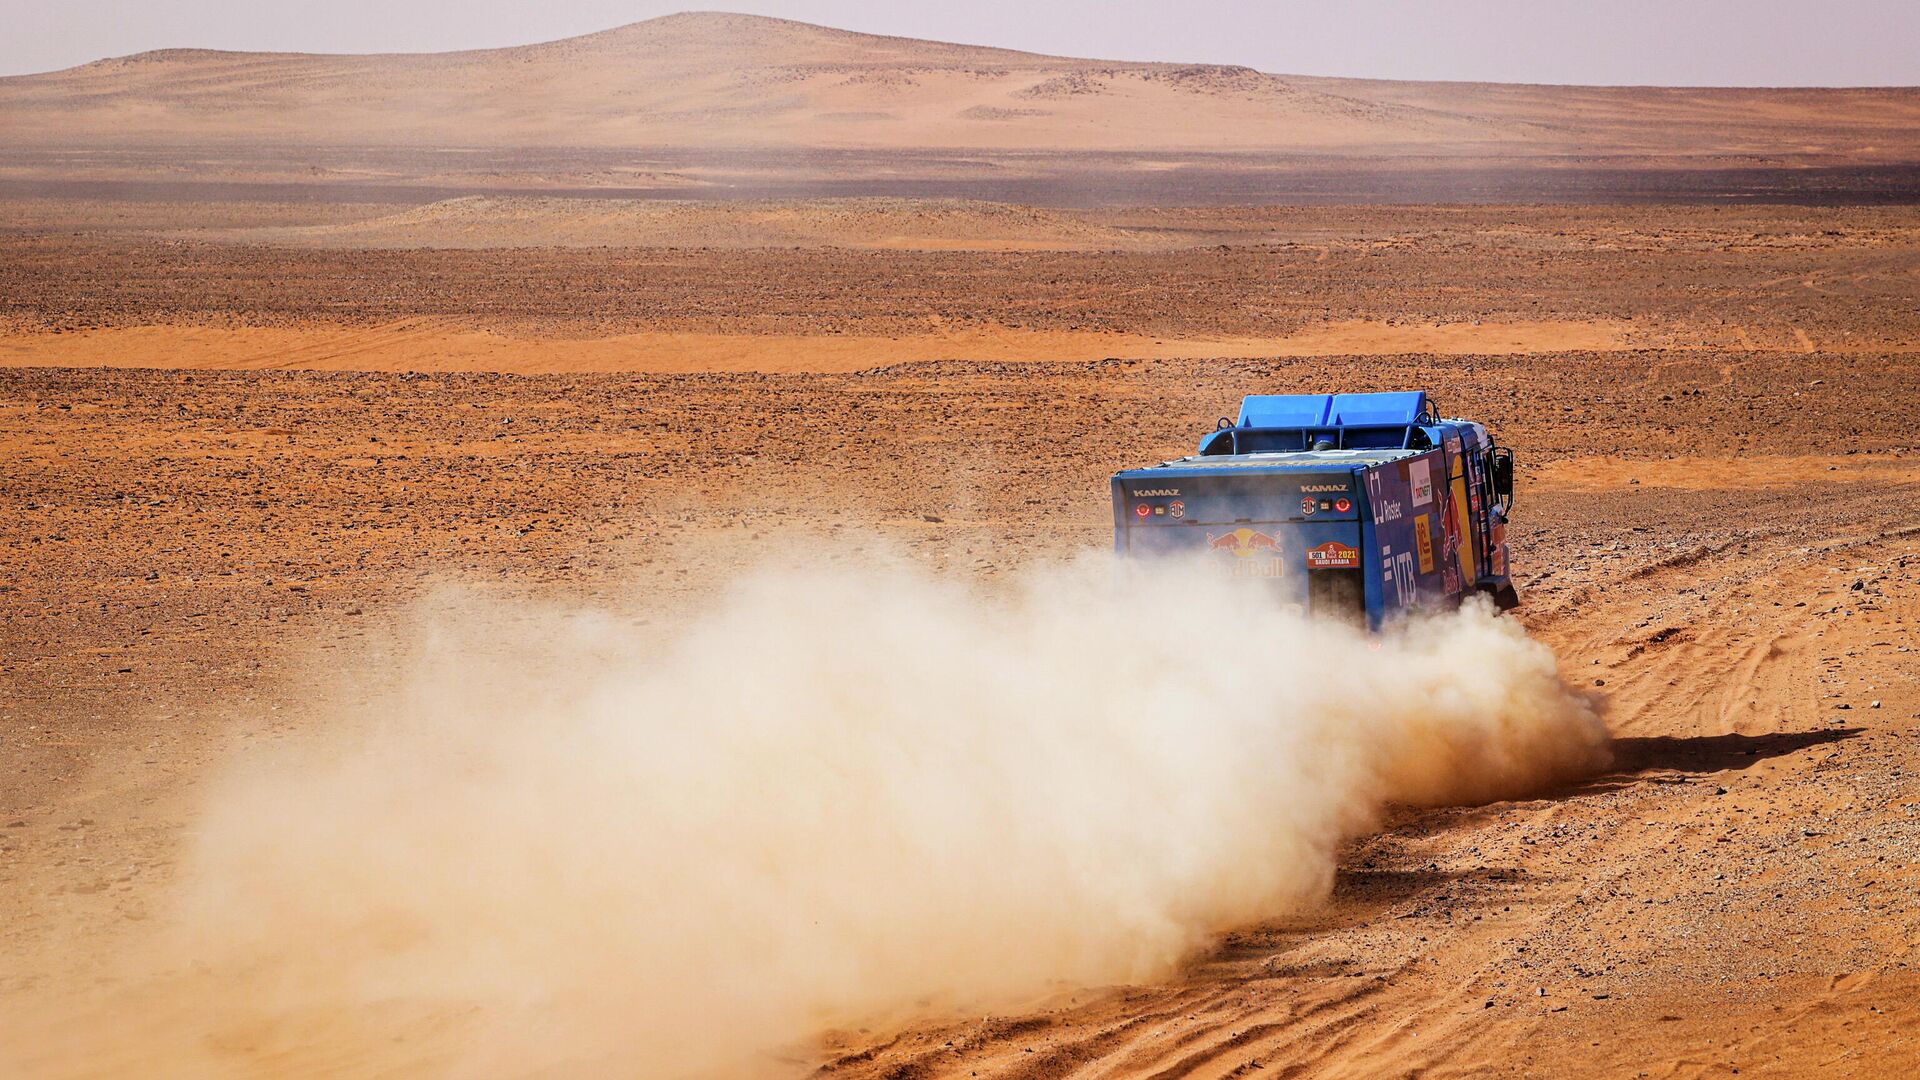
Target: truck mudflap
{"x":1505,"y":596}
{"x":1339,"y":594}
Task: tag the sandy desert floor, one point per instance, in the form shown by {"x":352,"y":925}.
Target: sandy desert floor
{"x":1715,"y":410}
{"x":846,"y":285}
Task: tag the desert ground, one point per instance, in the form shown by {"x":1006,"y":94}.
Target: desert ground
{"x":292,"y":347}
{"x":240,"y":439}
{"x":845,"y":285}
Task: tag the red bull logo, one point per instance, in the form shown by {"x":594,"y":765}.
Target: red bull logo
{"x":1244,"y":543}
{"x":1255,"y":554}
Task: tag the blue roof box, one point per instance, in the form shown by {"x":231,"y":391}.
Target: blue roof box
{"x":1284,"y":410}
{"x":1377,"y":410}
{"x":1332,"y":410}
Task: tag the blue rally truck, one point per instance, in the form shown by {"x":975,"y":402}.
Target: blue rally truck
{"x":1355,"y":506}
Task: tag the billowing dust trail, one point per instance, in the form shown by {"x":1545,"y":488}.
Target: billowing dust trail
{"x":566,"y":842}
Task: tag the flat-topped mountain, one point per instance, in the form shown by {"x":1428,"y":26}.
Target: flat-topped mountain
{"x":717,"y":80}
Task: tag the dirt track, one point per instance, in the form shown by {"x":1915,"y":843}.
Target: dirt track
{"x":1722,"y":544}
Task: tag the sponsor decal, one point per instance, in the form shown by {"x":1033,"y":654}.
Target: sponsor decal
{"x":1423,"y":539}
{"x":1403,"y":583}
{"x":1255,"y":554}
{"x":1308,"y":504}
{"x":1244,"y":543}
{"x":1258,"y":569}
{"x":1322,"y":488}
{"x":1453,"y":445}
{"x":1385,"y":510}
{"x":1420,"y":475}
{"x":1155,"y":493}
{"x":1332,"y":555}
{"x":1396,"y":575}
{"x":1460,"y":531}
{"x":1177,"y":509}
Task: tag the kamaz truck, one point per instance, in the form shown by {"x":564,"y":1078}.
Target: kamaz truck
{"x":1358,"y":507}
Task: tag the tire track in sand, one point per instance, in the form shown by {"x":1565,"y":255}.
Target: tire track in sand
{"x":1431,"y":974}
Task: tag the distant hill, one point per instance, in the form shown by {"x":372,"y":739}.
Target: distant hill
{"x":736,"y":81}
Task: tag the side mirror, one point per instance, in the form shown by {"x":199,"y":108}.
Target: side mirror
{"x":1503,"y":472}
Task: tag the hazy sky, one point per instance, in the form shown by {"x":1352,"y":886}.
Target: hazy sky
{"x":1672,"y":42}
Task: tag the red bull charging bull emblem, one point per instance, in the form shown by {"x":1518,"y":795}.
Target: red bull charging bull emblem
{"x":1255,"y":554}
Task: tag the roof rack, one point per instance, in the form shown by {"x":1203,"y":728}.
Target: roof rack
{"x":1271,"y":423}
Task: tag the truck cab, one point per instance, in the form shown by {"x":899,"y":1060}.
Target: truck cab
{"x":1357,"y":507}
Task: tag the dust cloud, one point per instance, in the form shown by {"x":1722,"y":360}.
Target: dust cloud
{"x":563,"y":842}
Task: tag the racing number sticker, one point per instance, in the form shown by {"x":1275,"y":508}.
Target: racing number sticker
{"x":1332,"y":555}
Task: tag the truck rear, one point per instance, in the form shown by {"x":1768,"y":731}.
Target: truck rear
{"x":1352,"y":506}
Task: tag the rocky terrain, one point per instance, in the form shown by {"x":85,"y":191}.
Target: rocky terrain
{"x":114,"y":284}
{"x":1720,"y":543}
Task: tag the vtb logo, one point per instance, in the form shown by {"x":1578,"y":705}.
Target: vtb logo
{"x":1244,"y":543}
